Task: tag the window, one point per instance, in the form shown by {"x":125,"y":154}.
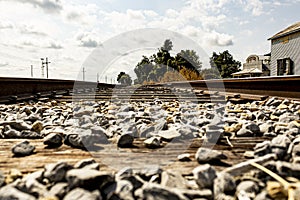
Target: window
{"x":284,"y":67}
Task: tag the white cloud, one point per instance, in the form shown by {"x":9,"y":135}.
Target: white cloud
{"x":218,"y":39}
{"x":31,"y":29}
{"x":243,"y":22}
{"x":6,"y":25}
{"x":254,"y":6}
{"x":39,"y":43}
{"x":87,"y":39}
{"x":135,"y":14}
{"x":172,"y":13}
{"x":3,"y":63}
{"x":81,"y":14}
{"x":191,"y":31}
{"x":51,"y":6}
{"x":150,"y":13}
{"x":212,"y":22}
{"x":54,"y":45}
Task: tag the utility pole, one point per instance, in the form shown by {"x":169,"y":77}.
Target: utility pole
{"x":83,"y":71}
{"x":31,"y":69}
{"x":105,"y":79}
{"x":97,"y":77}
{"x":45,"y":63}
{"x":42,"y":70}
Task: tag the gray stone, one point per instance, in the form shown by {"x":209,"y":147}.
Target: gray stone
{"x":204,"y":155}
{"x":273,"y":101}
{"x":151,"y":191}
{"x":83,"y":163}
{"x":281,"y":141}
{"x":204,"y":176}
{"x":262,"y":116}
{"x":81,"y":194}
{"x":56,"y":172}
{"x":53,"y":140}
{"x":213,"y":135}
{"x":249,"y":187}
{"x":145,"y":130}
{"x":184,"y":157}
{"x":246,"y":166}
{"x":10,"y":193}
{"x":293,"y":131}
{"x":93,"y":166}
{"x":12,"y":133}
{"x":153,"y":142}
{"x":87,"y":178}
{"x":27,"y":134}
{"x":31,"y":186}
{"x":23,"y":149}
{"x":135,"y":180}
{"x":161,"y":125}
{"x":123,"y":173}
{"x":287,"y":169}
{"x":271,"y":134}
{"x":295,"y":151}
{"x":150,"y":171}
{"x":125,"y":141}
{"x":204,"y":194}
{"x":263,"y":196}
{"x":173,"y":180}
{"x":18,"y":125}
{"x":262,"y":148}
{"x":224,"y":184}
{"x":243,"y":132}
{"x":280,"y":129}
{"x":223,"y":196}
{"x":37,"y":175}
{"x":169,"y":135}
{"x":74,"y":140}
{"x":286,"y":118}
{"x":249,"y":154}
{"x":266,"y":128}
{"x":2,"y":178}
{"x":124,"y":190}
{"x":59,"y":190}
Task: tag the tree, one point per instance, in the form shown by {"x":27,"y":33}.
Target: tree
{"x":124,"y":78}
{"x":224,"y":63}
{"x":189,"y":59}
{"x":211,"y":73}
{"x":153,"y":69}
{"x":167,"y":46}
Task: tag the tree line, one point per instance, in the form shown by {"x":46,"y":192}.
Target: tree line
{"x":185,"y":65}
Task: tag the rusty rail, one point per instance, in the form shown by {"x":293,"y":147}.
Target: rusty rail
{"x":283,"y":86}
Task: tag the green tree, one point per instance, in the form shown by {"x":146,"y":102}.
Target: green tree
{"x":124,"y":78}
{"x":224,"y":63}
{"x":188,"y":59}
{"x":211,"y":73}
{"x":153,"y":69}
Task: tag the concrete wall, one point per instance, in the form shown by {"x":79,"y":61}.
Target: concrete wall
{"x":286,"y":47}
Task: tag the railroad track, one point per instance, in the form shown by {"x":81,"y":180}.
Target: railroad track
{"x":197,"y":92}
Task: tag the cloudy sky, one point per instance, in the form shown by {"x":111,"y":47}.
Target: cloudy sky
{"x":68,"y":31}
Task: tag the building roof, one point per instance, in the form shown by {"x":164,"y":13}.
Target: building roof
{"x":248,"y":71}
{"x":289,"y":30}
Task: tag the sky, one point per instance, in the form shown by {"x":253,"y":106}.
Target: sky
{"x":108,"y":36}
